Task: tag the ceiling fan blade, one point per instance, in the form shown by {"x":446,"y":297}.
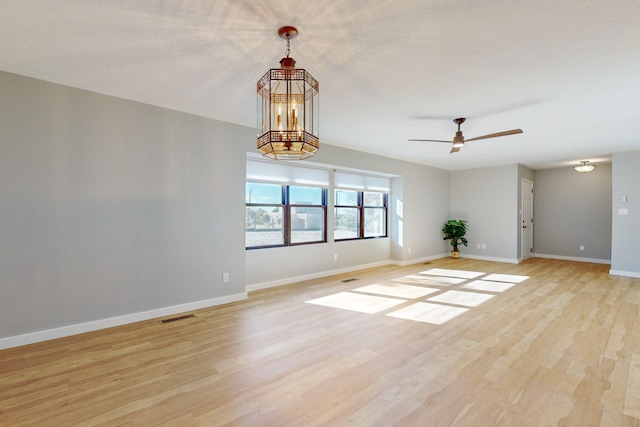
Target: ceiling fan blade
{"x":454,"y":150}
{"x":495,"y":135}
{"x":431,"y":140}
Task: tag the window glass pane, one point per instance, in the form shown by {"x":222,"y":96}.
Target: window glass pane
{"x":346,"y":223}
{"x":263,"y":193}
{"x":305,"y":196}
{"x":374,"y":222}
{"x":307,"y":224}
{"x":264,"y":226}
{"x":346,"y":198}
{"x":373,"y":199}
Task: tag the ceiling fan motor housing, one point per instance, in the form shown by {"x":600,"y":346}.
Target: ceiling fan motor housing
{"x":458,"y":140}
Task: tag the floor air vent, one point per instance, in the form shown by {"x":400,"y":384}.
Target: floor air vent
{"x":349,"y":280}
{"x":175,"y":319}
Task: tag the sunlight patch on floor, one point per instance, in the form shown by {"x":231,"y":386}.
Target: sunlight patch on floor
{"x":452,"y":273}
{"x":510,"y":278}
{"x":398,"y":290}
{"x":428,"y":313}
{"x":423,"y":280}
{"x":440,"y":302}
{"x":357,"y":302}
{"x":469,"y":299}
{"x":484,"y":285}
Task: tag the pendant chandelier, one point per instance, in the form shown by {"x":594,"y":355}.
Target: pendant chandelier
{"x":288,"y":101}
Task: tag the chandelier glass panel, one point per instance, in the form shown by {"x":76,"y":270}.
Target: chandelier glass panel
{"x":288,"y":109}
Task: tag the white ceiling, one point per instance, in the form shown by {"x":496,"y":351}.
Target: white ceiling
{"x":566,"y":72}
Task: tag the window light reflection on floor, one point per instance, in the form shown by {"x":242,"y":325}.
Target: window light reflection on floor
{"x":453,"y":273}
{"x":484,"y":285}
{"x":511,"y":278}
{"x":435,"y":280}
{"x":357,"y":302}
{"x":398,"y":290}
{"x":429,"y":313}
{"x":440,"y":302}
{"x":468,"y":299}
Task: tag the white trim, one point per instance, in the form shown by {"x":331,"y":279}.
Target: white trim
{"x":624,"y":273}
{"x":523,"y":231}
{"x":571,"y":258}
{"x":420,"y":260}
{"x":289,"y":280}
{"x":95,"y":325}
{"x":494,"y":259}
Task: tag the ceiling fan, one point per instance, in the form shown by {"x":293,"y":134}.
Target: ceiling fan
{"x":458,"y":140}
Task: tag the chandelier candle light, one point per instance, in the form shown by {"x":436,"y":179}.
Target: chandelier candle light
{"x":288,"y":101}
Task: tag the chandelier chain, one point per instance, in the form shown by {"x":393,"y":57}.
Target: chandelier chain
{"x":288,"y":50}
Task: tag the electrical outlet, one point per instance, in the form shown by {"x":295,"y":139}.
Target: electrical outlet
{"x":335,"y":257}
{"x":582,"y":247}
{"x":484,"y":246}
{"x":225,"y":277}
{"x":479,"y":246}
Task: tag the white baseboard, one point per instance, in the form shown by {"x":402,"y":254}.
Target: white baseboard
{"x":289,"y":280}
{"x":571,"y":258}
{"x":488,"y":258}
{"x":419,"y":260}
{"x":624,"y":273}
{"x":280,"y":282}
{"x":95,"y":325}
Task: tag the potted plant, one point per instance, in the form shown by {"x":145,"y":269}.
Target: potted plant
{"x":454,"y":230}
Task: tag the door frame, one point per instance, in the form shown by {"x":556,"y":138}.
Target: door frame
{"x":525,"y":253}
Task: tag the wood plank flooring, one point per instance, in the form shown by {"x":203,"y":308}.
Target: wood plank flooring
{"x":446,"y":343}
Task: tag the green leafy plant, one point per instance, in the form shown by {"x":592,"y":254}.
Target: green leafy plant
{"x":454,"y":230}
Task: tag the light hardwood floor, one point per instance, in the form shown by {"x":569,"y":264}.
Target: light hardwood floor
{"x":543,"y":343}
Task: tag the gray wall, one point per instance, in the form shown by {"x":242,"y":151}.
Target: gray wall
{"x":573,"y":209}
{"x":487,"y":199}
{"x":110,"y":207}
{"x":626,"y":228}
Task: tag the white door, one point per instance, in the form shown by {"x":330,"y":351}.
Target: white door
{"x":527,"y":219}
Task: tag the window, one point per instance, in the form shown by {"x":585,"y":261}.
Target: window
{"x":286,"y":204}
{"x":359,"y":214}
{"x":374,"y":208}
{"x":264,"y":215}
{"x":283,"y":215}
{"x":347,"y":215}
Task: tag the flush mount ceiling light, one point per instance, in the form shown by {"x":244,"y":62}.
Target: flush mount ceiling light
{"x":288,"y":101}
{"x":584,"y":167}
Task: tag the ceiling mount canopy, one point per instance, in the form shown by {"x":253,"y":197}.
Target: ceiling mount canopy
{"x":288,"y":107}
{"x":584,"y":167}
